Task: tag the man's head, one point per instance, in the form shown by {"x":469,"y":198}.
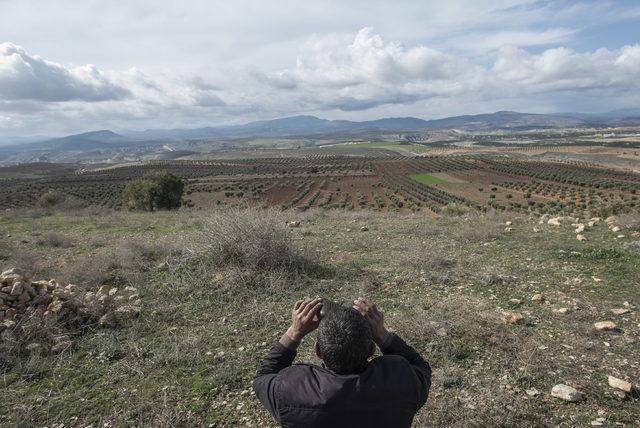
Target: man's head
{"x":344,"y":340}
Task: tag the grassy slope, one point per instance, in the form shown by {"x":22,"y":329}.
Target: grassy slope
{"x":190,"y":358}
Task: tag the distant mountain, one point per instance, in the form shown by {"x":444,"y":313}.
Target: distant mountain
{"x":506,"y":120}
{"x":86,"y":141}
{"x":311,"y":125}
{"x":285,"y":127}
{"x":307,"y":126}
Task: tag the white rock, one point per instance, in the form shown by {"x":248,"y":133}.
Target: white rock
{"x":581,"y":237}
{"x":620,"y":311}
{"x":566,"y":393}
{"x":620,"y":384}
{"x":555,"y":221}
{"x":532,"y":392}
{"x":615,"y":229}
{"x":538,"y":297}
{"x":605,"y":326}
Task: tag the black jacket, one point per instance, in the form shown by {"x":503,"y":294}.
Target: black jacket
{"x":388,"y":393}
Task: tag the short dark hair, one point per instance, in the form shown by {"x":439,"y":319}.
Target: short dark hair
{"x":344,"y":338}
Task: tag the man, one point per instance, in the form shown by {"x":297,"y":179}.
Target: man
{"x":348,"y":390}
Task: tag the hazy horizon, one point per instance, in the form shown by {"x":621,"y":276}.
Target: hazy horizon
{"x":68,"y":68}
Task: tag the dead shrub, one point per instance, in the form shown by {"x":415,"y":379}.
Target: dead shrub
{"x":479,"y":228}
{"x":54,"y":239}
{"x":629,"y":221}
{"x":252,"y":238}
{"x":126,"y":263}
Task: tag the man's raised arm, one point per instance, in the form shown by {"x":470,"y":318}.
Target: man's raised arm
{"x":283,"y":352}
{"x":392,"y":344}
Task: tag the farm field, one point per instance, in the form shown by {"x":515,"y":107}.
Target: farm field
{"x":389,"y":183}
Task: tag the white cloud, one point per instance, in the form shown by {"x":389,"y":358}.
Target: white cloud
{"x":562,"y":69}
{"x":198,"y":62}
{"x":27,"y":77}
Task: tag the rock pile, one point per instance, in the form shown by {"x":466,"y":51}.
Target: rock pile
{"x":20,"y":297}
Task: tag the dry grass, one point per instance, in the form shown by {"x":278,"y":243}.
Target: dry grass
{"x":54,"y":239}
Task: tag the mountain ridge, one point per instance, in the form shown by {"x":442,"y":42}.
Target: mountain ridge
{"x":308,"y":126}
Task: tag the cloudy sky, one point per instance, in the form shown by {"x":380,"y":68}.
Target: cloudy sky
{"x":73,"y":66}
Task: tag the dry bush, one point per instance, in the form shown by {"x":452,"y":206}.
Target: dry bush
{"x":251,"y":238}
{"x":479,"y":228}
{"x":629,"y":221}
{"x":54,"y":239}
{"x":453,"y":209}
{"x":126,"y":263}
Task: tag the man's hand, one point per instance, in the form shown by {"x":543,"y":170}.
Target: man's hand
{"x":303,"y":318}
{"x":375,"y":317}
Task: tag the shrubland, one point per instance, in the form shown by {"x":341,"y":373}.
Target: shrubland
{"x":215,"y":289}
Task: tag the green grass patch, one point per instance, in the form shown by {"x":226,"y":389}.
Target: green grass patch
{"x":427,"y":179}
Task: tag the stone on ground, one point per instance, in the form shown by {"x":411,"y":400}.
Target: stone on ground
{"x":605,"y":326}
{"x":511,"y":317}
{"x":620,"y":384}
{"x":538,"y":297}
{"x":566,"y":393}
{"x":620,"y":311}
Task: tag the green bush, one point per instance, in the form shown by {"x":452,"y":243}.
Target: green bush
{"x":51,"y":198}
{"x":155,"y":190}
{"x":454,"y":209}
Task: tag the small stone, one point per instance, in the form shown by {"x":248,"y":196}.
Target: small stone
{"x":563,"y":311}
{"x":515,"y":301}
{"x":61,"y":346}
{"x":16,"y":289}
{"x":538,"y":297}
{"x":580,"y":237}
{"x":55,"y":306}
{"x":620,"y":395}
{"x":33,"y":347}
{"x":364,"y":229}
{"x":293,"y":223}
{"x":532,"y":392}
{"x":620,"y":311}
{"x":605,"y":326}
{"x":511,"y":317}
{"x":620,"y":384}
{"x":554,"y":221}
{"x":566,"y":393}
